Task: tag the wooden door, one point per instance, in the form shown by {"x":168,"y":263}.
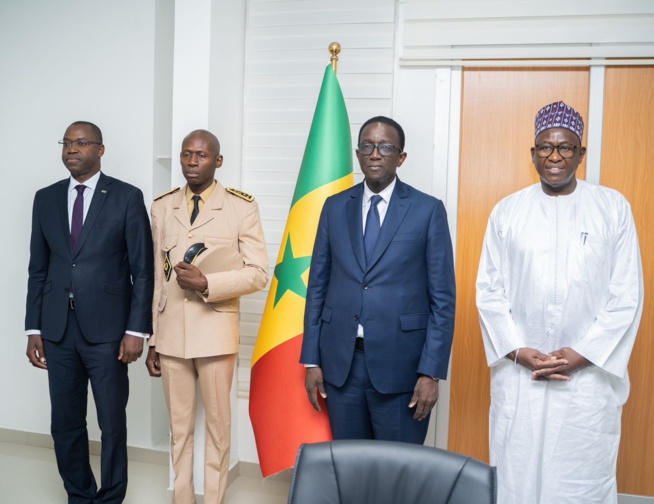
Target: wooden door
{"x":628,"y":166}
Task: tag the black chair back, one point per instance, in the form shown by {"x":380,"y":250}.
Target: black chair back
{"x":385,"y":472}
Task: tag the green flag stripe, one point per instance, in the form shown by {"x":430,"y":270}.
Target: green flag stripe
{"x":328,"y":154}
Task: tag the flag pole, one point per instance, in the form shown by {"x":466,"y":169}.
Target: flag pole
{"x":334,"y":49}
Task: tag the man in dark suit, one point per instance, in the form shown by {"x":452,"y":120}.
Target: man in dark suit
{"x":89,"y":308}
{"x":380,"y":303}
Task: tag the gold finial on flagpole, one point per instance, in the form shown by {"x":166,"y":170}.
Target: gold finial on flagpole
{"x":334,"y":49}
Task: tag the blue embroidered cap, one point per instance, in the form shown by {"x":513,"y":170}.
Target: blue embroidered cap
{"x":559,"y":115}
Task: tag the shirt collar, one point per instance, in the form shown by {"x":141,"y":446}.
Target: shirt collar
{"x":90,"y":183}
{"x":204,"y":195}
{"x":385,"y":194}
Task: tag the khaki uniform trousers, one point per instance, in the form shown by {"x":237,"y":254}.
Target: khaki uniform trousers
{"x":180,"y":379}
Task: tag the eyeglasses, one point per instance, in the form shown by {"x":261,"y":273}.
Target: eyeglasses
{"x":384,"y":149}
{"x":77,"y":143}
{"x":566,"y":151}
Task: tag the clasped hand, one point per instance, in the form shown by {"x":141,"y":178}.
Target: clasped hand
{"x":557,"y":365}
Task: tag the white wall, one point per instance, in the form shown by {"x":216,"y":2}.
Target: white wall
{"x":226,"y":122}
{"x":61,"y":62}
{"x":476,"y":29}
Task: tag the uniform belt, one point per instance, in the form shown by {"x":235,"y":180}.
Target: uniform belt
{"x":359,"y":344}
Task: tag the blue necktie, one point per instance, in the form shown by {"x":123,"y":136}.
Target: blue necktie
{"x":372,"y":226}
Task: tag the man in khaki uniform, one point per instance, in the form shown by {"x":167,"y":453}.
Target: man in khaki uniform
{"x":196,"y":306}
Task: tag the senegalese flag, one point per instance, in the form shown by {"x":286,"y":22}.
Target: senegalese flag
{"x":281,"y":414}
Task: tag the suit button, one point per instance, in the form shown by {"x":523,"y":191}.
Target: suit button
{"x":185,"y":300}
{"x":74,"y":265}
{"x":190,"y":236}
{"x":365,"y":287}
{"x":356,"y":318}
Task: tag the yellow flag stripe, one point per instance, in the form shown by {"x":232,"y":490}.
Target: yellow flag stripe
{"x":285,"y":321}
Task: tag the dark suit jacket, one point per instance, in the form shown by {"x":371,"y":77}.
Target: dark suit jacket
{"x":404,"y":298}
{"x":112,"y":269}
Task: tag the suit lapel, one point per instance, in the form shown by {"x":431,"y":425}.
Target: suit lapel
{"x":180,"y":210}
{"x":99,"y":195}
{"x":353,"y":210}
{"x":61,"y":204}
{"x":395,"y":214}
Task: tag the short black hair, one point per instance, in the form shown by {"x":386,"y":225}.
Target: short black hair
{"x":96,"y":131}
{"x":385,"y":120}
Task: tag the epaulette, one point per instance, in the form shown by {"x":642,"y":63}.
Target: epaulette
{"x":167,"y":193}
{"x":240,"y":194}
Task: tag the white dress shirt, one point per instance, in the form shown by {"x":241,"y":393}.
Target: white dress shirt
{"x":88,"y":196}
{"x":382,"y":206}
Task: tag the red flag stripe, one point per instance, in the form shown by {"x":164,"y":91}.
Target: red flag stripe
{"x":283,"y":395}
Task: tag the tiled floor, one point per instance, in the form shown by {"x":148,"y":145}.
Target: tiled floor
{"x":28,"y":475}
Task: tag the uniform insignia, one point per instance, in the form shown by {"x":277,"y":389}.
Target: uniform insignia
{"x":168,"y":266}
{"x":247,"y":197}
{"x":166,"y":193}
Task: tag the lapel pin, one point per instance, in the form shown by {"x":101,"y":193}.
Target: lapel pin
{"x":104,"y":191}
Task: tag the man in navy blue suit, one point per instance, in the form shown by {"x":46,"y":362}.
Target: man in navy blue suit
{"x":380,"y":303}
{"x":89,"y":308}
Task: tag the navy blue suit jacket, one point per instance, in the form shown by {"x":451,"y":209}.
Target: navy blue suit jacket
{"x":404,"y":298}
{"x":112,"y":269}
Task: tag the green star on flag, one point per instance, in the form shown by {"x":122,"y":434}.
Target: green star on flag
{"x":289,"y":273}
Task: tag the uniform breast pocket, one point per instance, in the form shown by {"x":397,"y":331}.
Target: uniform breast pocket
{"x":230,"y":305}
{"x":162,"y":302}
{"x":169,"y":253}
{"x":214,"y":241}
{"x":168,"y":244}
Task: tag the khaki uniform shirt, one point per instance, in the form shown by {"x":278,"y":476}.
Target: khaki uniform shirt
{"x":186,"y":323}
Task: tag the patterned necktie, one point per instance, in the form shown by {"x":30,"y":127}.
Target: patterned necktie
{"x":196,"y":208}
{"x":77,"y":220}
{"x":372,"y":226}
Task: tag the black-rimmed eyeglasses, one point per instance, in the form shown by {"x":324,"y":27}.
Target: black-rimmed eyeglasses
{"x":384,"y":149}
{"x":566,"y":151}
{"x":77,"y":143}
